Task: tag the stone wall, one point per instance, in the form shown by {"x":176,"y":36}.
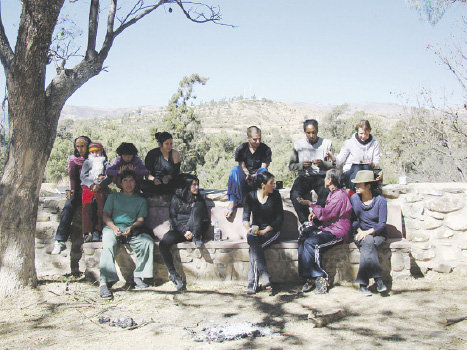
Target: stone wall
{"x":435,"y":220}
{"x":433,"y":215}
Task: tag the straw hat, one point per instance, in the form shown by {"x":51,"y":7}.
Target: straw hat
{"x":364,"y":176}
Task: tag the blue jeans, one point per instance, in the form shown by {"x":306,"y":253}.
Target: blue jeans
{"x":63,"y":230}
{"x":237,"y":186}
{"x":369,"y":262}
{"x":350,"y":174}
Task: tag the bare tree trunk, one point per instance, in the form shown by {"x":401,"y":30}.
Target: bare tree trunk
{"x":33,"y":127}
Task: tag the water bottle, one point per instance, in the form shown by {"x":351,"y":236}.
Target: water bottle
{"x":217,"y":231}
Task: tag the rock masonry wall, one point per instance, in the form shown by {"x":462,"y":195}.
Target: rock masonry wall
{"x":434,"y":216}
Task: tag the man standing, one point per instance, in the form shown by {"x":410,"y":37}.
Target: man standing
{"x":309,"y":159}
{"x":124,"y":214}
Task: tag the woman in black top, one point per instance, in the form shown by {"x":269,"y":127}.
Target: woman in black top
{"x":163,"y":164}
{"x":266,"y":206}
{"x":188,"y":216}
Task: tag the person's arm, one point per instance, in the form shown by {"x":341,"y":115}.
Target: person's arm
{"x":382,"y":215}
{"x":327,"y":164}
{"x":343,"y":154}
{"x":278,"y":212}
{"x":107,"y":218}
{"x":73,"y":173}
{"x":267,"y":158}
{"x":140,"y":169}
{"x":294,"y":164}
{"x":138,"y":223}
{"x":177,"y":163}
{"x":107,"y":179}
{"x":173,"y":209}
{"x":149,"y":164}
{"x":85,"y":177}
{"x":376,"y":155}
{"x":330,"y":211}
{"x":113,"y":169}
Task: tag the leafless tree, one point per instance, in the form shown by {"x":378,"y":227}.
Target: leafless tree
{"x":34,"y":108}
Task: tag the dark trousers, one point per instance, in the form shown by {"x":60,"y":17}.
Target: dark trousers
{"x":369,"y":262}
{"x":302,"y":186}
{"x":311,"y":246}
{"x":350,"y":174}
{"x":256,"y":253}
{"x":93,"y":209}
{"x":66,"y":217}
{"x":149,"y":188}
{"x":197,"y":224}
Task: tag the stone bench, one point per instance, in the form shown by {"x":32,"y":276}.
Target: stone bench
{"x":228,"y":259}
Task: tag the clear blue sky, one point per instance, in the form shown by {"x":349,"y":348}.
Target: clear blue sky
{"x":328,"y":52}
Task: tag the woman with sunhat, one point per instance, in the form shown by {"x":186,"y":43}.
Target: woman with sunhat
{"x":370,"y":209}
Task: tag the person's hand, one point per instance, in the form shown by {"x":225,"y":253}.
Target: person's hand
{"x":166,"y":179}
{"x":303,"y":201}
{"x":157,"y":181}
{"x":307,"y":164}
{"x":312,"y":216}
{"x":130,"y":167}
{"x":262,"y":232}
{"x":188,"y":235}
{"x":117,"y":231}
{"x":100,"y":178}
{"x":72,"y":193}
{"x":330,"y":155}
{"x":360,"y":236}
{"x":127,"y":231}
{"x":317,"y":162}
{"x":96,"y":188}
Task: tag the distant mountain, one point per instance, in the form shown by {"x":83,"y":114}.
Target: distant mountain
{"x":84,"y":112}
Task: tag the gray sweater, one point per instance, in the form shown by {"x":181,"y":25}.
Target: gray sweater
{"x":353,"y":152}
{"x":305,"y":151}
{"x":92,"y":168}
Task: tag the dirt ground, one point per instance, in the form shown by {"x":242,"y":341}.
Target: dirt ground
{"x":63,"y":313}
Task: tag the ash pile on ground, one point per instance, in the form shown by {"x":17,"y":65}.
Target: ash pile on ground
{"x":232,"y":331}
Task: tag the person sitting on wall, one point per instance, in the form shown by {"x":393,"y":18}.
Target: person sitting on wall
{"x":127,"y":160}
{"x":189,"y":220}
{"x":370,"y":209}
{"x":265,"y":205}
{"x":309,"y":159}
{"x":75,"y":164}
{"x":329,"y":226}
{"x":253,"y":157}
{"x":94,"y":183}
{"x":163,"y":164}
{"x":360,"y":152}
{"x":124,"y":214}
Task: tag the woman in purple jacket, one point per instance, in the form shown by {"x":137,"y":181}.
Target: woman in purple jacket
{"x":128,"y":160}
{"x":328,"y":226}
{"x":370,"y":209}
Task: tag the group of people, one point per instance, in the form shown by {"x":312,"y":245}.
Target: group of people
{"x":118,"y":218}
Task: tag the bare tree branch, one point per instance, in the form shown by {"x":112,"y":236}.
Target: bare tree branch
{"x":92,"y":29}
{"x":109,"y":37}
{"x":147,"y":10}
{"x":6,"y":53}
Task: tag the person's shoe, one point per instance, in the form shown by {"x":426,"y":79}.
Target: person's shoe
{"x":105,"y":293}
{"x":139,"y":284}
{"x":58,"y":247}
{"x":380,"y":287}
{"x":265,"y":281}
{"x":364,"y":290}
{"x":197,"y":241}
{"x":251,"y":289}
{"x":321,"y":285}
{"x":177,"y":280}
{"x":87,"y":237}
{"x":308,"y":286}
{"x":96,"y":236}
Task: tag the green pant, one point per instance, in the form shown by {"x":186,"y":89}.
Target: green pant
{"x":142,"y":245}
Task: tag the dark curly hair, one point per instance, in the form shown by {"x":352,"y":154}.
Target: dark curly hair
{"x":163,"y":136}
{"x":127,"y":148}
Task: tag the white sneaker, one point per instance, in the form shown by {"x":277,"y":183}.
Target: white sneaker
{"x":58,"y":247}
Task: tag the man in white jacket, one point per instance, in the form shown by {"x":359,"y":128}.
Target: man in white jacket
{"x":309,"y":158}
